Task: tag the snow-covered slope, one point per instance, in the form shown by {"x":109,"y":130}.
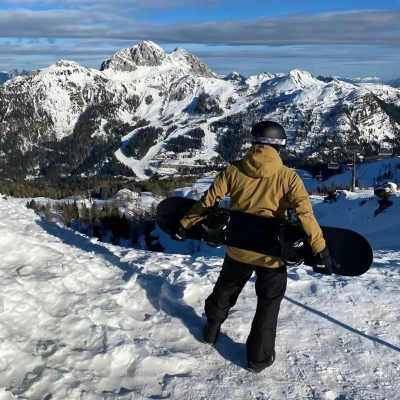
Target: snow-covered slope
{"x":369,"y":174}
{"x":86,"y":320}
{"x":382,"y":231}
{"x":130,"y":203}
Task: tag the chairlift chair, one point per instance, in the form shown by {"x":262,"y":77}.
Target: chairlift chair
{"x":319,"y":177}
{"x":385,"y":151}
{"x":333,"y":165}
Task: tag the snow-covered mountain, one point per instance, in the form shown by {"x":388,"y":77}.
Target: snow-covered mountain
{"x":5,"y":76}
{"x":235,"y":76}
{"x":350,"y":80}
{"x":289,"y":83}
{"x":69,"y":119}
{"x":148,"y":54}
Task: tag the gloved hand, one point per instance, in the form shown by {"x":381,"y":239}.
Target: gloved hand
{"x":179,"y":233}
{"x":325,"y":262}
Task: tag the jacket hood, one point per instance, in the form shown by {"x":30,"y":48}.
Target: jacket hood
{"x":261,"y":162}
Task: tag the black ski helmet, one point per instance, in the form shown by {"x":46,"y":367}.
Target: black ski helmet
{"x":270,"y":133}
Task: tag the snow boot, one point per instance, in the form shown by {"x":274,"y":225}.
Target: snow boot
{"x":211,"y":332}
{"x":260,"y":366}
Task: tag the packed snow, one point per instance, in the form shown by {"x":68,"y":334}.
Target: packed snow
{"x":80,"y":319}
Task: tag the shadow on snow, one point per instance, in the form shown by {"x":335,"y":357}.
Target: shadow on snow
{"x":341,"y":324}
{"x":168,"y":298}
{"x":162,"y":295}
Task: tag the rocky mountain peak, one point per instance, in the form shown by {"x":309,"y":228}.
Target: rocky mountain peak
{"x":145,"y":53}
{"x":299,"y":79}
{"x":266,"y":75}
{"x":149,"y":54}
{"x":235,"y":76}
{"x":179,"y":51}
{"x":65,"y":64}
{"x":16,"y":72}
{"x":300,"y":74}
{"x":196,"y":67}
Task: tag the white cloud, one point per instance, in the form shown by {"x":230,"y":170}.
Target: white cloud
{"x":357,"y":27}
{"x":97,"y":30}
{"x":148,"y":4}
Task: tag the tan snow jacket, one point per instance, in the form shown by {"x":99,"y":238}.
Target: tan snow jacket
{"x":260,"y":184}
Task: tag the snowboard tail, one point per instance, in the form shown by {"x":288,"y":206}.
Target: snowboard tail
{"x":259,"y":234}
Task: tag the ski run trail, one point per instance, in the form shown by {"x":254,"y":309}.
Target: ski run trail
{"x":80,"y":319}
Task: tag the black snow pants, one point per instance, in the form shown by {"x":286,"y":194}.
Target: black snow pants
{"x":270,"y":289}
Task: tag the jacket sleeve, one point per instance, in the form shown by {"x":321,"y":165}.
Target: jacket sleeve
{"x":298,"y":199}
{"x":220,"y":187}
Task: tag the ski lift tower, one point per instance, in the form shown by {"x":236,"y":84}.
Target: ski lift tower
{"x":353,"y":148}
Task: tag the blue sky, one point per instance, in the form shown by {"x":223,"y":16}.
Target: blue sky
{"x":350,"y":38}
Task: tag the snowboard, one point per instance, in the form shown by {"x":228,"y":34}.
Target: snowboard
{"x":258,"y":233}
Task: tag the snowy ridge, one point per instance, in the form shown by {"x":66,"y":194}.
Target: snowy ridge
{"x":5,"y":76}
{"x":146,"y":82}
{"x":291,"y":82}
{"x":88,"y":320}
{"x":350,"y":80}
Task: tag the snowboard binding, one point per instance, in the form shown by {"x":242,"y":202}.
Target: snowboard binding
{"x":293,"y":240}
{"x":215,"y":224}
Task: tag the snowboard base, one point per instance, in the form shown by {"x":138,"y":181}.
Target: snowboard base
{"x":259,"y":234}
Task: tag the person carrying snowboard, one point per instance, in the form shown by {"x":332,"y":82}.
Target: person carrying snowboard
{"x":262,"y":185}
